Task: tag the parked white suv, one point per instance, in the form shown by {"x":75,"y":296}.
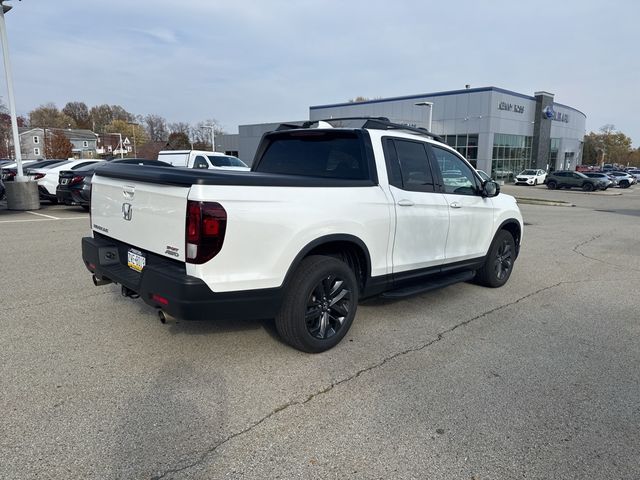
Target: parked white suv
{"x":531,"y":177}
{"x":327,"y":216}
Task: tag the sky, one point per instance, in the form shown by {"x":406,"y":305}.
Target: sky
{"x":252,"y":61}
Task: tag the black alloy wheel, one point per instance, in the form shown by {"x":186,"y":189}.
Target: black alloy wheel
{"x":498,"y":263}
{"x":587,"y":187}
{"x":327,"y":307}
{"x":319,"y":304}
{"x":552,"y":185}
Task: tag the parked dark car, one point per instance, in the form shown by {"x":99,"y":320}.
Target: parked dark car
{"x":571,"y":179}
{"x":74,"y":186}
{"x":608,"y":181}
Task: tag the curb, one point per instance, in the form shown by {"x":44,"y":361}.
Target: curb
{"x":538,"y":201}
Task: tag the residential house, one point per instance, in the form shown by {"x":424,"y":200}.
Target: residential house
{"x":32,"y":142}
{"x":109,"y":145}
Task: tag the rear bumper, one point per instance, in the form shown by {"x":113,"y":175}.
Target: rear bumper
{"x":164,"y":284}
{"x":44,"y":193}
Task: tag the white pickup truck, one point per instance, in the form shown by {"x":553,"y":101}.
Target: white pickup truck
{"x":201,"y":159}
{"x":329,"y":214}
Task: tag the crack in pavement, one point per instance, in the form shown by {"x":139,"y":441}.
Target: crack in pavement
{"x":440,"y":336}
{"x":576,"y":249}
{"x":47,"y":302}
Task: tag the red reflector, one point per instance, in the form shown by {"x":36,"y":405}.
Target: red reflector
{"x":92,"y":266}
{"x":211,"y":226}
{"x":157,"y":298}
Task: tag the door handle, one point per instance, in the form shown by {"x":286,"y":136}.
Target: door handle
{"x":406,"y":203}
{"x":455,"y":205}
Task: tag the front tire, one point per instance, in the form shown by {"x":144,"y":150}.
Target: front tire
{"x":587,"y":187}
{"x":498,"y":264}
{"x":319,"y":304}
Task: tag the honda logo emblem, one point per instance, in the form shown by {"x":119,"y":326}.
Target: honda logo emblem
{"x":127,"y":211}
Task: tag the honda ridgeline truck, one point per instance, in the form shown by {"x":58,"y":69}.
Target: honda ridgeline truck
{"x":331,"y":213}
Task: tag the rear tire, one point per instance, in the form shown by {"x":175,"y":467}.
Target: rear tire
{"x":498,"y":264}
{"x":552,"y":185}
{"x":319,"y":304}
{"x":624,"y":184}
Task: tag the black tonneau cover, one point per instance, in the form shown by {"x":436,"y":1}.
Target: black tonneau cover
{"x":190,"y":176}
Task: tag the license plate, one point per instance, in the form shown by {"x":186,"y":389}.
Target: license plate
{"x":64,"y":181}
{"x":135,"y":260}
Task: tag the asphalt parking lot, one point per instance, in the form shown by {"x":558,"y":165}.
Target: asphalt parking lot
{"x":539,"y":379}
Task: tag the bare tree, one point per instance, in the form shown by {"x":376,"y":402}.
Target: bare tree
{"x":48,"y":116}
{"x":156,"y":127}
{"x":79,"y":112}
{"x":180,"y":127}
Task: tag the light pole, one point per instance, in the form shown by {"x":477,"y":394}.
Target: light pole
{"x":213,"y":137}
{"x":12,"y":103}
{"x":133,"y":128}
{"x":430,"y":105}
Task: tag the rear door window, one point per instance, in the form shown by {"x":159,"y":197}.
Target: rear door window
{"x":408,"y":165}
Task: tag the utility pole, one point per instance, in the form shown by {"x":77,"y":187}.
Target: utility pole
{"x":213,"y":137}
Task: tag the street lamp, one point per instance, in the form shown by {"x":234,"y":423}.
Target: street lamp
{"x":135,"y":149}
{"x":213,"y":137}
{"x":12,"y":103}
{"x":430,"y":105}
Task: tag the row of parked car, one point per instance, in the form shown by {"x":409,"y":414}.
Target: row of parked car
{"x":69,"y":181}
{"x":590,"y":181}
{"x":64,"y":181}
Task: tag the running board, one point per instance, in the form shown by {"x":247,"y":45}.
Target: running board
{"x":431,"y":284}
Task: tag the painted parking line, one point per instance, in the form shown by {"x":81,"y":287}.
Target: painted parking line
{"x":43,"y":215}
{"x":42,"y":220}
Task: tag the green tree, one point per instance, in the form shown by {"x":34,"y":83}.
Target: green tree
{"x":608,"y":146}
{"x":134,"y":132}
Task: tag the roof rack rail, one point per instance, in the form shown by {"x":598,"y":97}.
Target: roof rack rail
{"x":380,"y":123}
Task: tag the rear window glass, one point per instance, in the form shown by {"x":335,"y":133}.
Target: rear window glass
{"x":316,"y":154}
{"x":225,"y":161}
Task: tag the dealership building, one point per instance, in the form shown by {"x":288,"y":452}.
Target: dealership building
{"x":497,"y":130}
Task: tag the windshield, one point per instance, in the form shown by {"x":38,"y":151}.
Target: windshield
{"x":226,"y":161}
{"x":528,"y":172}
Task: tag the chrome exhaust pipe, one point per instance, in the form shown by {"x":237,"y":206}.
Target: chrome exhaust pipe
{"x":98,"y":282}
{"x":165,"y":317}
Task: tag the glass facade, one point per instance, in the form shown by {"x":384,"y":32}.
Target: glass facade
{"x":465,"y":144}
{"x":511,"y":155}
{"x":554,"y":146}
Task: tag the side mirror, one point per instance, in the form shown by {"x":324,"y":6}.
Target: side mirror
{"x":490,"y":189}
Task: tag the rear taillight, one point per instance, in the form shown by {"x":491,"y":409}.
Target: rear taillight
{"x":38,"y":176}
{"x":75,"y":180}
{"x":205,"y":229}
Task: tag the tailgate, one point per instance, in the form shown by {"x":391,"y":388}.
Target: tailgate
{"x":148,"y":216}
